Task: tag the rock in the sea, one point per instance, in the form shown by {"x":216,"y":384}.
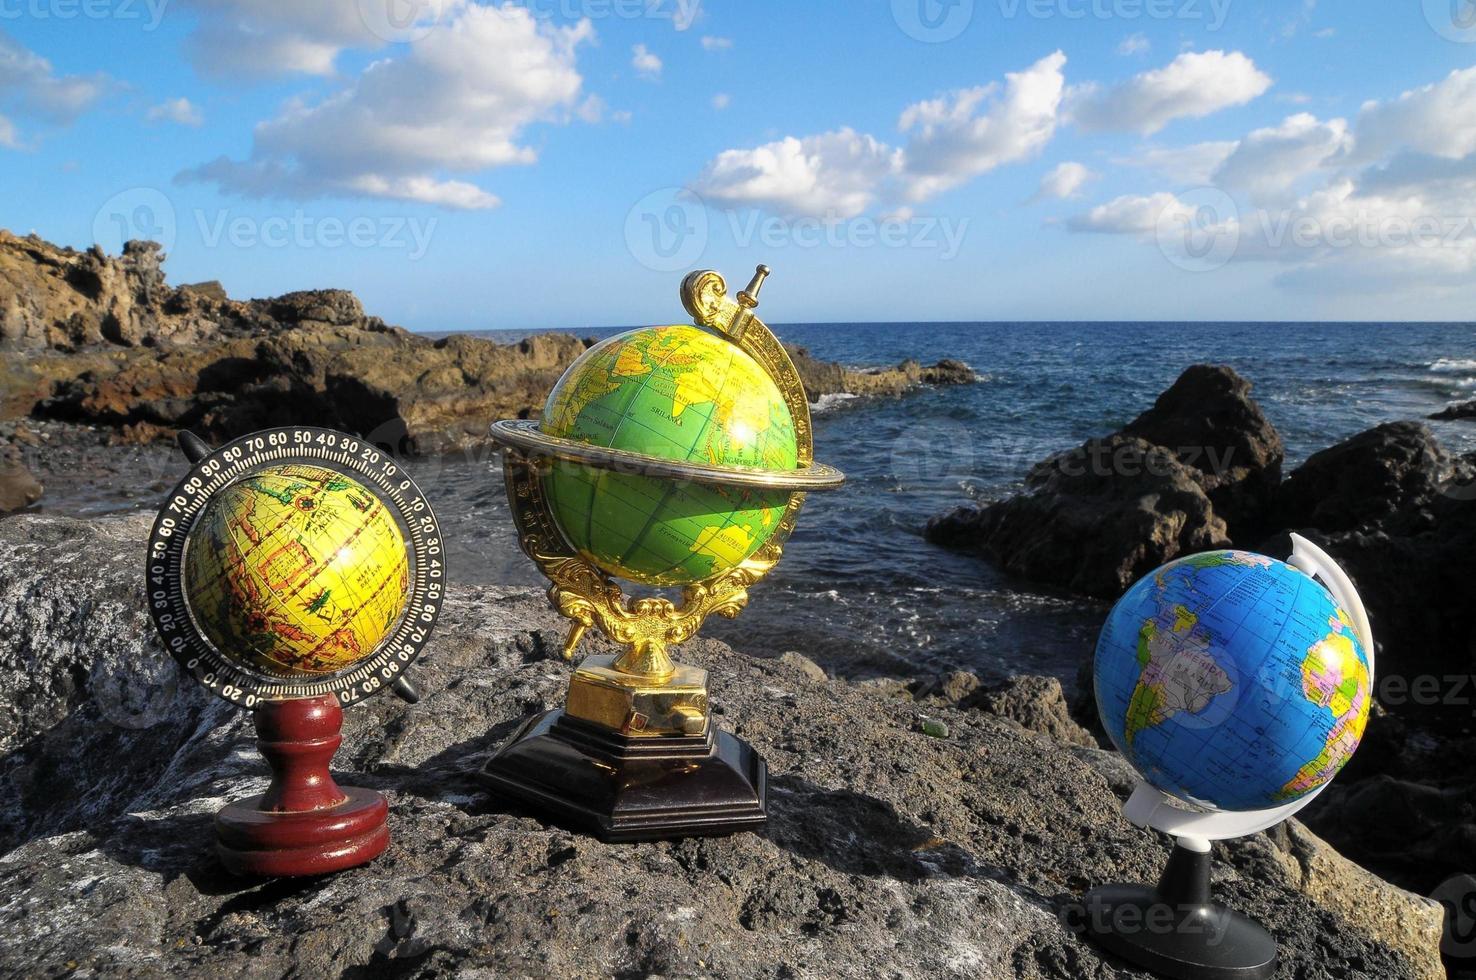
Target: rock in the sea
{"x":1093,"y":519}
{"x":1367,"y":479}
{"x":1458,"y":410}
{"x":1200,"y":465}
{"x":1210,"y":421}
{"x":887,"y":852}
{"x":828,"y":378}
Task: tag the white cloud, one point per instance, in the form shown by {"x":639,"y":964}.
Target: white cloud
{"x":1134,"y":44}
{"x":1268,"y":162}
{"x":1130,"y":214}
{"x":1394,"y":214}
{"x":1439,"y":119}
{"x":972,"y":131}
{"x":29,"y":86}
{"x":1064,"y":181}
{"x":710,"y":43}
{"x":458,"y":101}
{"x":180,"y":110}
{"x":954,"y":137}
{"x":271,"y":37}
{"x":837,"y":173}
{"x":1193,"y":85}
{"x":646,"y":64}
{"x":721,"y":101}
{"x":1193,"y":164}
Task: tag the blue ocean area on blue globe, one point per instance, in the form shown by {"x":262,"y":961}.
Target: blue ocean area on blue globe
{"x":1232,"y":681}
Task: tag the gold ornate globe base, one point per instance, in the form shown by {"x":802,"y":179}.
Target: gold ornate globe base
{"x":637,"y":705}
{"x":634,"y":754}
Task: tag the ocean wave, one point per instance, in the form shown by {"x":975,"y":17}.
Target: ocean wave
{"x":1450,"y":365}
{"x":830,"y":402}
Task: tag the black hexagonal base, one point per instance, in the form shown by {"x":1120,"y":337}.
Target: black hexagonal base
{"x":631,"y":789}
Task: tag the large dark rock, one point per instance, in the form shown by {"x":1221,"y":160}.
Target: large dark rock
{"x":1394,"y":468}
{"x":888,"y":852}
{"x":1209,"y":420}
{"x":1093,"y":519}
{"x":1198,"y":467}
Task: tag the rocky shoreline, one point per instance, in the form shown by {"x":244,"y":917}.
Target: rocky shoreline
{"x":889,"y":852}
{"x":1202,"y":469}
{"x":105,"y":343}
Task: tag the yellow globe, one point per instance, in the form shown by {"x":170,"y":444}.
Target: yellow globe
{"x":296,"y":569}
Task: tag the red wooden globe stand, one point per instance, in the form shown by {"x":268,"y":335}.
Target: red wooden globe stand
{"x":304,"y":824}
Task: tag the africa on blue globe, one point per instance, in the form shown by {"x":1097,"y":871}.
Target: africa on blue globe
{"x":1232,"y":681}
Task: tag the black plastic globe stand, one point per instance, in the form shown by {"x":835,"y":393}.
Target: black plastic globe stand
{"x":1174,"y":930}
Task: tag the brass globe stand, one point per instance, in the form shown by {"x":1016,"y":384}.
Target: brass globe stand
{"x":633,"y":754}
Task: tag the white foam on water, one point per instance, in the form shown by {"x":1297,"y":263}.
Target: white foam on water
{"x":1450,"y":365}
{"x":831,"y":401}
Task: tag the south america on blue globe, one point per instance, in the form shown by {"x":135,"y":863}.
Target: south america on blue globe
{"x":1232,"y":681}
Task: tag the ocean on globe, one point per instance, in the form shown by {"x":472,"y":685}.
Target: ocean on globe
{"x":296,"y":570}
{"x":683,"y":394}
{"x":1232,"y":681}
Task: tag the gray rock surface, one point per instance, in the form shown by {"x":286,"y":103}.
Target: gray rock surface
{"x":888,"y":853}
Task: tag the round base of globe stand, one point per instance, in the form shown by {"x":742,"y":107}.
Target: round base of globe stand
{"x":1174,"y":930}
{"x":304,"y":824}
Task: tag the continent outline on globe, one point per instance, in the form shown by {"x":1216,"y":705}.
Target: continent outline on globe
{"x":688,"y":531}
{"x":1167,"y":676}
{"x":228,"y":674}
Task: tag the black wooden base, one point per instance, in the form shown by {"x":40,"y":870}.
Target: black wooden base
{"x":631,"y":789}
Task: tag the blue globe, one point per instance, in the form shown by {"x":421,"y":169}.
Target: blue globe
{"x":1232,"y":681}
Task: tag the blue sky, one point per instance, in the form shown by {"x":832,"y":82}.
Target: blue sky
{"x":559,"y":163}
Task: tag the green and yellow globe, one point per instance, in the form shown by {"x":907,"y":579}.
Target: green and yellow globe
{"x":684,"y":394}
{"x":296,"y":570}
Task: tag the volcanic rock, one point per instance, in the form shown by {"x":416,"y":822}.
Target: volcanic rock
{"x":887,"y":852}
{"x":1201,"y":464}
{"x":97,"y":340}
{"x":1092,"y":519}
{"x":1459,"y":410}
{"x":828,"y":378}
{"x":1034,"y":703}
{"x":1208,"y":418}
{"x":1394,"y":468}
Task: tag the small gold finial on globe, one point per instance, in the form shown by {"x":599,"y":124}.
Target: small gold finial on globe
{"x":668,"y":457}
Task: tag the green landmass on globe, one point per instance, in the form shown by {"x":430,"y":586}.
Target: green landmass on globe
{"x":1233,"y":681}
{"x":679,"y":393}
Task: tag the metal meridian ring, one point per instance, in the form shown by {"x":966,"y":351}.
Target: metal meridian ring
{"x":525,"y":436}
